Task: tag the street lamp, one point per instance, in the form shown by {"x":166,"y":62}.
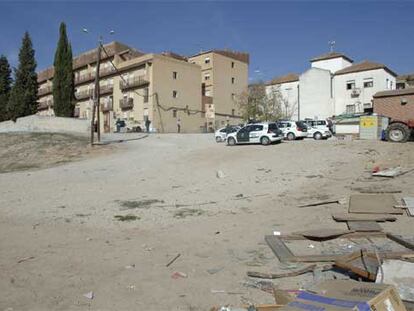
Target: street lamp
{"x":96,"y":94}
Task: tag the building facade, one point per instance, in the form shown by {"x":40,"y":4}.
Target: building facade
{"x":224,"y":77}
{"x":165,"y":89}
{"x":334,"y":85}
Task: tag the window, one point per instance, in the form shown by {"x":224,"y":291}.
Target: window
{"x":232,"y":64}
{"x":387,"y":83}
{"x":367,"y":105}
{"x":174,"y":113}
{"x":350,"y":109}
{"x":350,"y":85}
{"x":187,"y":109}
{"x":175,"y":94}
{"x":207,"y":60}
{"x":400,"y":85}
{"x":232,"y":112}
{"x":175,"y":75}
{"x":391,"y":85}
{"x":368,"y":83}
{"x":207,"y":76}
{"x":146,"y":92}
{"x":255,"y":128}
{"x":232,"y":80}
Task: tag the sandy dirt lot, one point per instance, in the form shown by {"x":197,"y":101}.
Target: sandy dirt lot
{"x":62,"y":232}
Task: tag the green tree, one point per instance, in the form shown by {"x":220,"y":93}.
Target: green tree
{"x":23,"y":95}
{"x":63,"y":86}
{"x":5,"y":86}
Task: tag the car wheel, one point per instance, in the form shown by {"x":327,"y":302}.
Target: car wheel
{"x":265,"y":141}
{"x":317,"y":136}
{"x":398,"y":133}
{"x":231,"y":141}
{"x":290,"y":136}
{"x":218,"y":139}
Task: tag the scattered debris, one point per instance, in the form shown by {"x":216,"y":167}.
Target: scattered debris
{"x":260,"y":275}
{"x":25,"y":259}
{"x":364,"y":226}
{"x":178,"y":275}
{"x":324,"y":233}
{"x":391,"y":172}
{"x":220,"y":174}
{"x":363,"y":217}
{"x":373,"y":204}
{"x":409,"y":205}
{"x":172,"y":260}
{"x":337,"y":201}
{"x":361,"y":263}
{"x":128,"y":217}
{"x":374,"y":190}
{"x":400,"y":274}
{"x":89,"y":295}
{"x":130,"y":266}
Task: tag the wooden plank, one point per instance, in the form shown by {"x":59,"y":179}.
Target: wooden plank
{"x":373,"y":204}
{"x":261,"y":275}
{"x":361,"y":263}
{"x":324,"y":233}
{"x":400,"y":240}
{"x":333,"y":257}
{"x":364,"y":226}
{"x":279,"y":248}
{"x":363,"y":217}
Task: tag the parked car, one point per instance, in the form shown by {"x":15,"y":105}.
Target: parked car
{"x":293,"y":129}
{"x":221,"y":134}
{"x":258,"y":133}
{"x":318,"y":129}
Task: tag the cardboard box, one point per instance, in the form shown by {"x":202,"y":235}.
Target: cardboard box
{"x":343,"y":295}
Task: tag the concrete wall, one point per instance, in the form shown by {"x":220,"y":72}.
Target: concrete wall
{"x":36,"y":123}
{"x":289,"y":92}
{"x":315,"y":94}
{"x":332,"y":65}
{"x":382,"y":80}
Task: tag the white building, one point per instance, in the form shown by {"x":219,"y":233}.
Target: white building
{"x":333,"y":86}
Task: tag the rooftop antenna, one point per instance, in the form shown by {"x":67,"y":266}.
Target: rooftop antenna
{"x":332,"y":45}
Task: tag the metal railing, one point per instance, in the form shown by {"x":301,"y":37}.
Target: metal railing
{"x":133,"y":82}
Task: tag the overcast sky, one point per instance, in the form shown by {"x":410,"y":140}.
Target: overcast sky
{"x":281,"y":36}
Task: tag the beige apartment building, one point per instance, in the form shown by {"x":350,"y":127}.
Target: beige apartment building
{"x":164,"y":88}
{"x":224,"y":76}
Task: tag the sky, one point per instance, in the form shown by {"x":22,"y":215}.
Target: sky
{"x":281,"y":36}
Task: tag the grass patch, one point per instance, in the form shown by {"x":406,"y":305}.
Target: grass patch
{"x":185,"y":212}
{"x":126,"y":217}
{"x":132,"y":204}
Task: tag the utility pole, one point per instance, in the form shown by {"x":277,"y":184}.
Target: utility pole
{"x":96,"y":98}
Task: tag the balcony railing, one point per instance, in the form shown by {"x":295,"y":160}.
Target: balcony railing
{"x":85,"y":77}
{"x":126,"y":103}
{"x":107,"y":106}
{"x":84,"y":94}
{"x":106,"y":71}
{"x":44,"y":90}
{"x":106,"y":89}
{"x":43,"y":105}
{"x":133,"y":82}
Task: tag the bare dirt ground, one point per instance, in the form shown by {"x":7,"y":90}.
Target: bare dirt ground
{"x":23,"y":151}
{"x":110,"y":224}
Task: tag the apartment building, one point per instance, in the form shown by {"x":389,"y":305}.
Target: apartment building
{"x":333,"y":85}
{"x":164,"y":88}
{"x":224,"y":77}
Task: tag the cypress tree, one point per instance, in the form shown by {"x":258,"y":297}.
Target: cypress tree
{"x":63,"y":86}
{"x":23,"y":95}
{"x":5,"y":86}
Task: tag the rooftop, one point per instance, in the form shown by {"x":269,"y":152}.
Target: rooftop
{"x":331,"y":55}
{"x":240,"y":56}
{"x":290,"y":77}
{"x":401,"y":92}
{"x":364,"y":66}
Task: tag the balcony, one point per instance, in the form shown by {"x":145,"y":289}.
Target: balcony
{"x":133,"y":82}
{"x":84,"y":94}
{"x":106,"y":89}
{"x":126,"y":103}
{"x":85,"y":77}
{"x":107,"y":106}
{"x":44,"y":90}
{"x":44,"y":105}
{"x":106,"y":71}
